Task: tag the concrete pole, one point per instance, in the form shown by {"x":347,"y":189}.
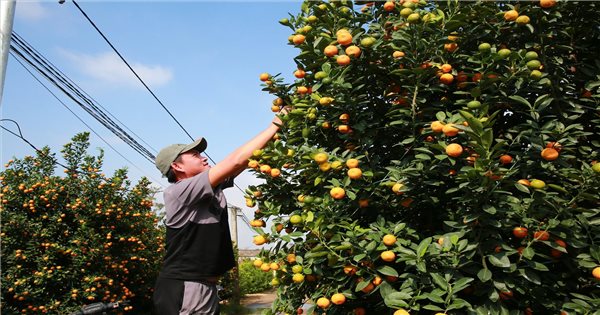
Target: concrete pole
{"x":233,"y":216}
{"x":7,"y":15}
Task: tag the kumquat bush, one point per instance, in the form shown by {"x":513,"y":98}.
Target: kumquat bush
{"x":439,"y":157}
{"x":76,"y":239}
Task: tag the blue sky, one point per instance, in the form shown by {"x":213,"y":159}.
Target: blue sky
{"x":201,"y":58}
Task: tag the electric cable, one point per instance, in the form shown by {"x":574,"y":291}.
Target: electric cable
{"x":94,"y":112}
{"x":79,"y":118}
{"x":62,"y":74}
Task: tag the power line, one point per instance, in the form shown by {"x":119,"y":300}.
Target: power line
{"x":130,"y":68}
{"x":142,"y":81}
{"x":21,"y":49}
{"x":79,"y":118}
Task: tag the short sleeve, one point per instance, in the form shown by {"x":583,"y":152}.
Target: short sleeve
{"x":181,"y":196}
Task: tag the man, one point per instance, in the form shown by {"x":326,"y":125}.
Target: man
{"x":198,"y":244}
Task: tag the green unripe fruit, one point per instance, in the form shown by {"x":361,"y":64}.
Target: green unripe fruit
{"x":307,"y":28}
{"x":474,"y":104}
{"x":484,"y":47}
{"x":327,"y":80}
{"x":367,"y":42}
{"x":295,"y":219}
{"x":413,"y":18}
{"x":320,"y":75}
{"x":297,"y":269}
{"x":504,"y":53}
{"x":284,"y":22}
{"x":406,"y":12}
{"x":531,"y":55}
{"x":533,"y":64}
{"x":409,"y":4}
{"x":312,"y":19}
{"x":596,"y":167}
{"x":535,"y":75}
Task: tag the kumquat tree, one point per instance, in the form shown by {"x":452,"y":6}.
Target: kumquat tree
{"x":439,"y":157}
{"x":76,"y":239}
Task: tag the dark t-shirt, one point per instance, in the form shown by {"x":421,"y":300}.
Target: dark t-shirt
{"x":198,"y":243}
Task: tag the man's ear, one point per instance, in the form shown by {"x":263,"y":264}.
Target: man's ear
{"x":176,"y":167}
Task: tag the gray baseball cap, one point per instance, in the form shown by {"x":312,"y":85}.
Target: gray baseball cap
{"x":167,"y":155}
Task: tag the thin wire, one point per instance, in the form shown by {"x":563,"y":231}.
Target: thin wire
{"x":130,"y":68}
{"x":136,"y":146}
{"x":81,"y":120}
{"x":142,"y":81}
{"x":93,"y":110}
{"x":63,"y":75}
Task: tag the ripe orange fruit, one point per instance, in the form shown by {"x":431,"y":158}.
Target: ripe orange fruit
{"x":505,"y":159}
{"x":323,"y":302}
{"x":353,"y":51}
{"x":363,"y":203}
{"x":549,"y":154}
{"x":511,"y":15}
{"x":555,"y":252}
{"x":352,"y":163}
{"x":450,"y":47}
{"x":505,"y":295}
{"x":298,"y":39}
{"x":343,"y":60}
{"x":388,"y":256}
{"x":437,"y":126}
{"x":265,"y":168}
{"x":446,"y":68}
{"x":265,"y":267}
{"x":259,"y":240}
{"x":330,"y":51}
{"x":275,"y":172}
{"x":354,"y":173}
{"x":397,"y":188}
{"x":291,"y":258}
{"x":344,"y":128}
{"x":596,"y":273}
{"x":377,"y":280}
{"x":389,"y":240}
{"x":537,"y":183}
{"x":398,"y":54}
{"x":257,"y":263}
{"x":360,"y":311}
{"x":449,"y":130}
{"x":253,"y":164}
{"x":520,"y":232}
{"x":389,"y":6}
{"x":299,"y":73}
{"x":547,"y":3}
{"x":446,"y":78}
{"x":264,"y":76}
{"x":338,"y":299}
{"x":401,"y":312}
{"x":454,"y":150}
{"x":541,"y":236}
{"x":337,"y":193}
{"x":298,"y":278}
{"x":368,"y":288}
{"x":344,"y":118}
{"x":344,"y":37}
{"x":321,"y":157}
{"x":406,"y":202}
{"x":350,"y":270}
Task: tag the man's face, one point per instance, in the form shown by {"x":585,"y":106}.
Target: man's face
{"x":191,"y":163}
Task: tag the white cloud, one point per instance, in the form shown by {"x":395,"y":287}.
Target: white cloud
{"x":31,"y":10}
{"x":109,"y":68}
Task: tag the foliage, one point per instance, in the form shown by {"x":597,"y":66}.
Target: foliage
{"x":75,"y":239}
{"x":516,"y":106}
{"x":253,"y":280}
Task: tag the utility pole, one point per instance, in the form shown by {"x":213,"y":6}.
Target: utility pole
{"x":233,"y":216}
{"x":7,"y":15}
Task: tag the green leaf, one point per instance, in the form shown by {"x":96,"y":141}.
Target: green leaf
{"x":439,"y":281}
{"x":499,"y":260}
{"x":422,"y":248}
{"x":520,"y":100}
{"x":397,"y":300}
{"x":484,"y":275}
{"x":530,"y":275}
{"x":461,"y":284}
{"x":528,"y":253}
{"x":388,"y":271}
